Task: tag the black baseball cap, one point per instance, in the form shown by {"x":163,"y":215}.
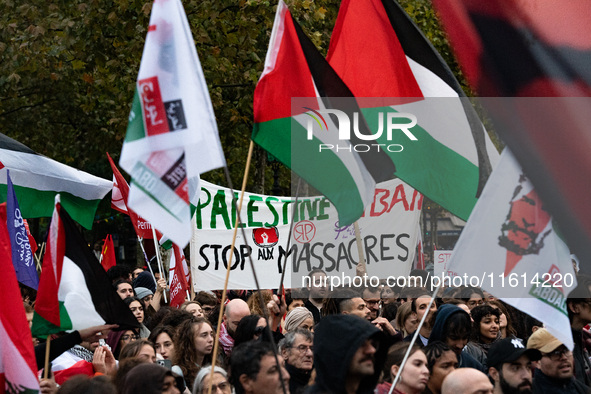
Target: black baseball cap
{"x":510,"y":349}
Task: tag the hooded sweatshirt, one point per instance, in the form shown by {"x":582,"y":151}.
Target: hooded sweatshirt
{"x":336,"y":340}
{"x":443,"y":313}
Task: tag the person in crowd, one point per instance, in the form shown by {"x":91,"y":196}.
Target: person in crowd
{"x":144,"y":294}
{"x":219,"y":381}
{"x":162,"y":338}
{"x":555,"y":373}
{"x":137,"y":308}
{"x":406,"y":319}
{"x":467,"y":381}
{"x":389,"y":312}
{"x":119,"y":272}
{"x":505,"y":322}
{"x":578,"y":305}
{"x":118,"y":339}
{"x":141,"y":348}
{"x":234,"y":312}
{"x":472,"y":296}
{"x":193,"y":307}
{"x":294,"y":299}
{"x":250,"y":328}
{"x":453,"y":326}
{"x":350,"y":303}
{"x":420,"y":306}
{"x":193,"y":343}
{"x":254,"y":369}
{"x":145,"y":279}
{"x":85,"y":384}
{"x":390,"y":295}
{"x":136,"y":271}
{"x":415,"y":375}
{"x":485,"y":332}
{"x":510,"y":366}
{"x":351,"y":368}
{"x":372,"y":298}
{"x":441,"y":361}
{"x":318,"y":290}
{"x":149,"y":378}
{"x":299,"y":317}
{"x":298,"y":352}
{"x":123,"y":288}
{"x":254,"y":302}
{"x":208,"y":302}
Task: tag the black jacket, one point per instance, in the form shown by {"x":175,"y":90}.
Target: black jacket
{"x":544,"y":384}
{"x":315,"y":312}
{"x":336,"y":340}
{"x":298,"y":379}
{"x":582,"y":363}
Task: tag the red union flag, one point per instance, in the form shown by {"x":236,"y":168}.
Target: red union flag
{"x":167,"y":146}
{"x":510,"y":248}
{"x":152,"y":106}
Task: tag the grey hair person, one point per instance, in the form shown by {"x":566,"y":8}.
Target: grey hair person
{"x":289,"y":340}
{"x":198,"y":385}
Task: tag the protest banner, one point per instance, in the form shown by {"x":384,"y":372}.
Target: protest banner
{"x":388,"y":230}
{"x":440,"y":262}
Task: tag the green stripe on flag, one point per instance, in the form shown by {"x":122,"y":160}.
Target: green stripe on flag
{"x":429,"y":166}
{"x":40,"y":203}
{"x":42,"y":328}
{"x":135,"y":128}
{"x":324,"y":171}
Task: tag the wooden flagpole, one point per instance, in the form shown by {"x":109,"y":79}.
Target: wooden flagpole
{"x":228,"y":269}
{"x":46,"y":369}
{"x":293,"y":212}
{"x":359,"y":246}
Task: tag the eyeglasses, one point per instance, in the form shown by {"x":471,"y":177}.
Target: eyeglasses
{"x":370,"y":302}
{"x":127,"y":337}
{"x":223,"y":386}
{"x":304,"y":348}
{"x":558,"y":353}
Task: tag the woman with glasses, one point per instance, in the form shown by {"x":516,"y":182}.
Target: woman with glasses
{"x":219,"y":381}
{"x":118,"y":339}
{"x":195,"y":337}
{"x":250,"y":327}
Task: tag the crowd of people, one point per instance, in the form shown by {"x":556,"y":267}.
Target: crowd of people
{"x":314,"y":341}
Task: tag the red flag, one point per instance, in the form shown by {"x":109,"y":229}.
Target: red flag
{"x":529,"y":63}
{"x":32,"y":241}
{"x":108,"y":259}
{"x":420,"y":261}
{"x":119,"y":202}
{"x":17,"y":357}
{"x":178,"y":282}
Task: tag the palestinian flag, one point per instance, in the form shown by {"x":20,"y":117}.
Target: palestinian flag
{"x":532,"y":63}
{"x":37,"y":179}
{"x":294,"y":69}
{"x":18,"y":369}
{"x":74,"y":290}
{"x":381,"y":55}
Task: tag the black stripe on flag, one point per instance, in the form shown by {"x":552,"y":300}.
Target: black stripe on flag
{"x":417,"y":47}
{"x":331,"y":88}
{"x":106,"y":301}
{"x":10,"y":144}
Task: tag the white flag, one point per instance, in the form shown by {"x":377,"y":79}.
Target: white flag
{"x":172,"y":135}
{"x":510,"y":248}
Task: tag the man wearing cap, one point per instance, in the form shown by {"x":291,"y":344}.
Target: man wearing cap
{"x":509,"y":363}
{"x":556,"y":367}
